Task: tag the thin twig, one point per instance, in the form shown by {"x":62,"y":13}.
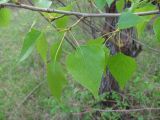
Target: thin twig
{"x":53,"y":19}
{"x":68,"y":41}
{"x":73,"y":25}
{"x":79,"y":20}
{"x":137,"y":41}
{"x":49,"y":10}
{"x":118,"y":111}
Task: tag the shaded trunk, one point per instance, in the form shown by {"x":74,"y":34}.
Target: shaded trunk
{"x":128,"y":47}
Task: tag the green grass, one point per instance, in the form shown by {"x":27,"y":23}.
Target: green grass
{"x":18,"y":80}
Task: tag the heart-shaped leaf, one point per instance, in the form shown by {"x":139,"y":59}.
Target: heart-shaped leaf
{"x":87,"y":66}
{"x":122,"y":68}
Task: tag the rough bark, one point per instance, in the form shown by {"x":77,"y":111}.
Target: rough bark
{"x":129,"y":47}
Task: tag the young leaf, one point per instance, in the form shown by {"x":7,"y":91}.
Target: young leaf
{"x":122,"y":68}
{"x":87,"y":66}
{"x":62,"y":23}
{"x":42,"y":47}
{"x":29,"y":43}
{"x":97,"y":41}
{"x":56,"y":79}
{"x":5,"y":16}
{"x":120,"y":5}
{"x":128,"y":19}
{"x":156,"y":27}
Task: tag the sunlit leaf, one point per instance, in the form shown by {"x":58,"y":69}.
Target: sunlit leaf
{"x":5,"y":17}
{"x":87,"y":65}
{"x":29,"y":43}
{"x":122,"y":68}
{"x":56,"y":79}
{"x":120,"y":5}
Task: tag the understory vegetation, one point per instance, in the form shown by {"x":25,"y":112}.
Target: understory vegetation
{"x":24,"y":92}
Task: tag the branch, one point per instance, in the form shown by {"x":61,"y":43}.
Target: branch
{"x":118,"y":111}
{"x":48,"y":10}
{"x":68,"y":41}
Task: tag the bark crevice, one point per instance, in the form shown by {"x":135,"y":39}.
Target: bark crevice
{"x":130,"y":47}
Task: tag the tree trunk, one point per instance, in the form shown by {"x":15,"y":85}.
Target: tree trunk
{"x":129,"y":47}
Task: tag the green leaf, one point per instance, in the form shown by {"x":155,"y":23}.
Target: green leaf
{"x":42,"y":47}
{"x":56,"y":79}
{"x":101,"y":3}
{"x":109,"y":2}
{"x":100,"y":41}
{"x":140,"y":29}
{"x":96,"y":41}
{"x":54,"y":49}
{"x":128,"y":19}
{"x":5,"y":17}
{"x":29,"y":43}
{"x":122,"y":68}
{"x":120,"y":5}
{"x":156,"y":28}
{"x":141,"y":26}
{"x":62,"y":23}
{"x":43,"y":3}
{"x":87,"y":66}
{"x":107,"y":53}
{"x":3,"y":1}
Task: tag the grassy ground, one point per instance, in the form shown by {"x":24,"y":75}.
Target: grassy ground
{"x":18,"y":80}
